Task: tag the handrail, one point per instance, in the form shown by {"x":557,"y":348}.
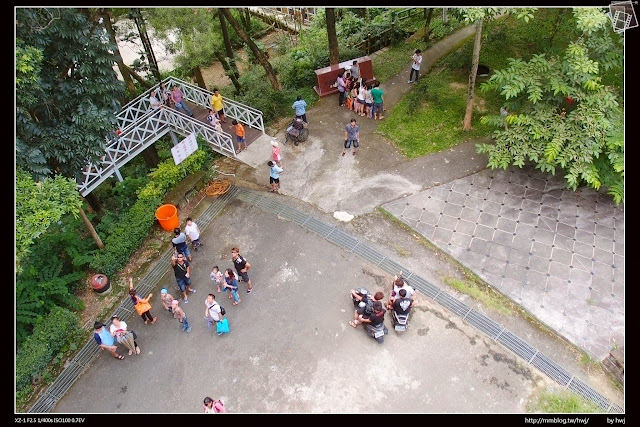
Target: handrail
{"x":140,"y":126}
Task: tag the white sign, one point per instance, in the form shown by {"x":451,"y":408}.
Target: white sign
{"x":184,"y":148}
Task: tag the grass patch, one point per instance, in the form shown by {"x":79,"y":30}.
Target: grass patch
{"x":429,"y":118}
{"x":562,"y":402}
{"x":482,"y":295}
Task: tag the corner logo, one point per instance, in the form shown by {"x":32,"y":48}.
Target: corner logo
{"x":622,"y":16}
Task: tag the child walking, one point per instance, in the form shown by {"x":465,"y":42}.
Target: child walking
{"x":166,"y":299}
{"x":242,"y":142}
{"x":231,"y":285}
{"x":216,"y":276}
{"x":274,"y":176}
{"x":178,"y":313}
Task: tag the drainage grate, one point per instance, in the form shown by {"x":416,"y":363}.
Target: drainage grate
{"x":341,"y":238}
{"x":588,"y":393}
{"x":516,"y":345}
{"x":452,"y":304}
{"x":552,"y":370}
{"x":367,"y":253}
{"x":423,"y":286}
{"x":392,"y":267}
{"x":482,"y":322}
{"x":318,"y":227}
{"x":293,"y":215}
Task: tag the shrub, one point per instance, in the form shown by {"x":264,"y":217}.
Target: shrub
{"x":133,"y":227}
{"x":51,"y":338}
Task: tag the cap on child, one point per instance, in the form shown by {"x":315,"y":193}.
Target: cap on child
{"x":164,"y":291}
{"x":174,"y":303}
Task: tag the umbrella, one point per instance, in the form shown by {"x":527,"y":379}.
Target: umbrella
{"x":127,"y":340}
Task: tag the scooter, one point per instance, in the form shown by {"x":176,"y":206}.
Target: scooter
{"x":376,"y":332}
{"x":297,"y":131}
{"x":400,"y":321}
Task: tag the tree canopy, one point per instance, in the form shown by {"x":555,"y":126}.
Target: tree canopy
{"x":67,"y":93}
{"x":558,"y":113}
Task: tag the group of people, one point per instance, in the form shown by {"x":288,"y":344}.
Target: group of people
{"x":161,"y":97}
{"x":401,"y":300}
{"x":365,"y":99}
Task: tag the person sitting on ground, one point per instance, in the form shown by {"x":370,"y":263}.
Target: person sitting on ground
{"x":364,"y":307}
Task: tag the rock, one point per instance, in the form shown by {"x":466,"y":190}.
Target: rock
{"x":342,"y":216}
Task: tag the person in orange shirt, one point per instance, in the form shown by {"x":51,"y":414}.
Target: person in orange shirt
{"x":240,"y":136}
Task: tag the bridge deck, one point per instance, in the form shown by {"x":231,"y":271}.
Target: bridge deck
{"x":251,"y":134}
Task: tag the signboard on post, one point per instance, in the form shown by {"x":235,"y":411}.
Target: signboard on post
{"x":184,"y":148}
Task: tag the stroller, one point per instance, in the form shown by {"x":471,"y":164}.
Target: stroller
{"x":297,"y":131}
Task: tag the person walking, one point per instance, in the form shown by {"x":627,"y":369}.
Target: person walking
{"x":242,"y":267}
{"x":231,"y":285}
{"x":351,"y":137}
{"x":177,"y":97}
{"x":211,"y":406}
{"x":240,"y":135}
{"x":105,"y":340}
{"x":218,"y":104}
{"x":275,"y":152}
{"x":416,"y":60}
{"x":300,"y":107}
{"x":166,"y":299}
{"x":216,"y":276}
{"x":118,"y":330}
{"x":182,"y":271}
{"x":193,"y":233}
{"x":213,"y":312}
{"x":274,"y":176}
{"x":214,"y":120}
{"x":378,"y":101}
{"x":178,"y":313}
{"x":142,"y":305}
{"x":341,"y":84}
{"x":179,"y":242}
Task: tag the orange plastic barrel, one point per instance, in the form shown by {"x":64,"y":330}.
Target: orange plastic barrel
{"x":167,"y":216}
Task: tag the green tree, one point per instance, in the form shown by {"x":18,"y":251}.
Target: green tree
{"x":63,"y":126}
{"x":40,"y":204}
{"x":260,"y":56}
{"x":477,"y":16}
{"x":558,"y":112}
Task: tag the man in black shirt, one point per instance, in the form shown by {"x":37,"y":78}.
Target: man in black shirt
{"x":242,"y":267}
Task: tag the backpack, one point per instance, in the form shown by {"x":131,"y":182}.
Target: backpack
{"x":222,"y":310}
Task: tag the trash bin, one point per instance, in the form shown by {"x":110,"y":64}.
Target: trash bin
{"x":100,"y":283}
{"x":167,"y":216}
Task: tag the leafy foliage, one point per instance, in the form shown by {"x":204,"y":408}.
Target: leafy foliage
{"x":53,"y":336}
{"x":560,"y":115}
{"x":38,"y":205}
{"x":133,"y":226}
{"x":78,"y":91}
